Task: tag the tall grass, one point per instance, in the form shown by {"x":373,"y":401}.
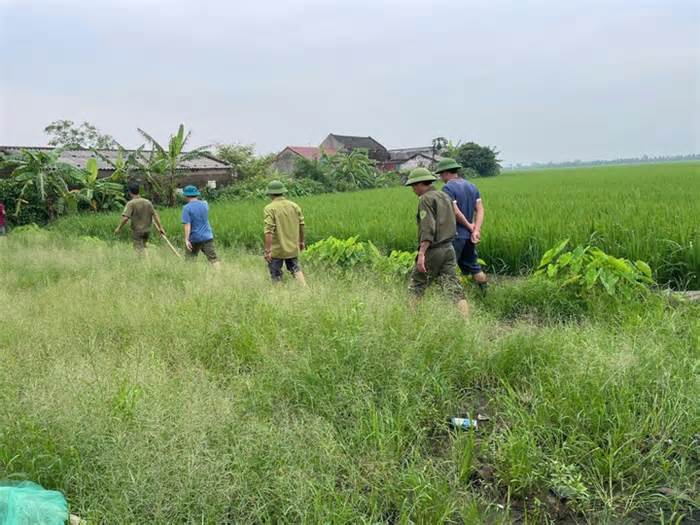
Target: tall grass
{"x":160,"y":391}
{"x":647,"y":212}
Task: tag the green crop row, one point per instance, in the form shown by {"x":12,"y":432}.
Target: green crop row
{"x":647,"y":212}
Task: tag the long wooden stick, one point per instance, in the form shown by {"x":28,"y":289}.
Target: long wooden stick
{"x":171,"y":246}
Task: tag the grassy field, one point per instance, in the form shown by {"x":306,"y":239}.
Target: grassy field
{"x":647,"y":212}
{"x":161,"y":392}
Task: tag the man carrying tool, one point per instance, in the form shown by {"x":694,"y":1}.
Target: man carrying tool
{"x":284,"y":234}
{"x":469,"y":211}
{"x":436,"y":259}
{"x":142,"y":215}
{"x":195,"y":220}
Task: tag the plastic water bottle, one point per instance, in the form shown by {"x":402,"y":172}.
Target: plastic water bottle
{"x":464,"y":423}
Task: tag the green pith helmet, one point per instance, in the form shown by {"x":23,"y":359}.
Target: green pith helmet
{"x":276,"y":188}
{"x":420,"y":175}
{"x":447,"y":164}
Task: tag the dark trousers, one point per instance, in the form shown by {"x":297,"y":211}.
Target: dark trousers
{"x":275,"y":267}
{"x":467,"y":257}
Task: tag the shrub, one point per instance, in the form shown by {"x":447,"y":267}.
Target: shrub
{"x":396,"y":263}
{"x":314,"y":170}
{"x":256,"y":188}
{"x":351,"y":254}
{"x":31,"y":211}
{"x":343,"y":254}
{"x":243,"y":161}
{"x":586,"y":269}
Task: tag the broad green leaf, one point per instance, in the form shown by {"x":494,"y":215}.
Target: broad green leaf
{"x":550,"y":254}
{"x":609,"y":281}
{"x":620,"y":265}
{"x":590,"y":277}
{"x":571,"y":280}
{"x":644,"y":268}
{"x":565,"y":259}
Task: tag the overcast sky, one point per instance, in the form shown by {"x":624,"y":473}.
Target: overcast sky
{"x":553,"y":80}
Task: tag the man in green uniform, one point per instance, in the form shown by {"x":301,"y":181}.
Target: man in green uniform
{"x":437,"y":228}
{"x":142,"y":215}
{"x":284,"y":234}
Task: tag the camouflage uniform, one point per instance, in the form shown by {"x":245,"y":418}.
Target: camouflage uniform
{"x":436,"y":223}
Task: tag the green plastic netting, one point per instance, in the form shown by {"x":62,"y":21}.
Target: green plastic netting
{"x":25,"y":503}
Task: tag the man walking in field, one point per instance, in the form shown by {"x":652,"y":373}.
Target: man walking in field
{"x":199,"y":236}
{"x":284,"y":234}
{"x":469,"y":211}
{"x":436,"y":259}
{"x":142,"y":215}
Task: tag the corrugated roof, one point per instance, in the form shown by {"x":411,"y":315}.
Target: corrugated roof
{"x":352,"y":142}
{"x":401,"y":154}
{"x":79,"y":157}
{"x":310,"y":152}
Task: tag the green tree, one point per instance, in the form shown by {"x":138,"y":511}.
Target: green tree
{"x":482,"y":159}
{"x":168,"y":161}
{"x":315,"y":170}
{"x":41,"y":176}
{"x":244,"y":163}
{"x":66,"y":134}
{"x":439,"y":145}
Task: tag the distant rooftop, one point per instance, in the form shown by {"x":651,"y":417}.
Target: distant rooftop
{"x":406,"y":153}
{"x":310,"y":152}
{"x":353,"y":142}
{"x":78,"y":157}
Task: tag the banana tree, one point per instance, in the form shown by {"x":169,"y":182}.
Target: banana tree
{"x":355,"y":169}
{"x":98,"y":194}
{"x":42,"y":176}
{"x":124,"y":165}
{"x":169,"y":161}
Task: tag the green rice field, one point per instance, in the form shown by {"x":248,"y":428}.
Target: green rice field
{"x":647,"y":212}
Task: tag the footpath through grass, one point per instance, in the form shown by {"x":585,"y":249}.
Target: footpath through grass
{"x":647,"y":212}
{"x":160,"y":391}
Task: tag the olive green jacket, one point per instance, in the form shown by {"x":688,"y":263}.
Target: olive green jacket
{"x":435,"y":217}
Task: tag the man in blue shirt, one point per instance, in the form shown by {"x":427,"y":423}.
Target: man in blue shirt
{"x":469,"y":212}
{"x":198,"y":234}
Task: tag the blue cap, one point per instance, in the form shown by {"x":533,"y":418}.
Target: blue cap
{"x":190,"y":191}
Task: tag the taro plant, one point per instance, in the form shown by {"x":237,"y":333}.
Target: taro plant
{"x":343,"y":254}
{"x":397,"y":263}
{"x":349,"y":254}
{"x":587,"y":269}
